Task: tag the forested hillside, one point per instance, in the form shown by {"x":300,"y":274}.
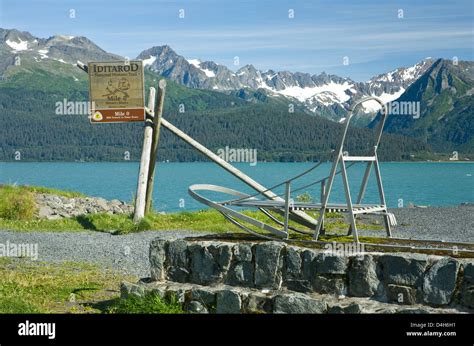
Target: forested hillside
{"x":445,"y":94}
{"x":29,"y":124}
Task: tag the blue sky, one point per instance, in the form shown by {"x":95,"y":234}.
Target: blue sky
{"x":321,"y":34}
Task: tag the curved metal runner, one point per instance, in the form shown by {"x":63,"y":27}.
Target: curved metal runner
{"x":295,"y":210}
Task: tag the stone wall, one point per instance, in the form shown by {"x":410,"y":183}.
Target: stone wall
{"x":280,"y":270}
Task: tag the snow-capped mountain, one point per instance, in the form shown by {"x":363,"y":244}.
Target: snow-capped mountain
{"x":323,"y":93}
{"x":446,"y":107}
{"x":65,"y":49}
{"x":390,"y":86}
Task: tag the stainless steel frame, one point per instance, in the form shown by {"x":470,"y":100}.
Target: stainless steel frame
{"x":372,"y":159}
{"x":285,"y":206}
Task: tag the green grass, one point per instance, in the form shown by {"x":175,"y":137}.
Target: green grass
{"x":206,"y":220}
{"x":200,"y":221}
{"x":17,"y":209}
{"x":41,"y":189}
{"x":36,"y":287}
{"x":20,"y":189}
{"x":149,"y":304}
{"x":42,"y":225}
{"x":16,"y":203}
{"x":70,"y":287}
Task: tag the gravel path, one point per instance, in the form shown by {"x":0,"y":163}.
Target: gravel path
{"x":435,"y":223}
{"x":126,"y":253}
{"x":129,"y":253}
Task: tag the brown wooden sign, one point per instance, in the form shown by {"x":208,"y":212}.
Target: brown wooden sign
{"x":116,"y":91}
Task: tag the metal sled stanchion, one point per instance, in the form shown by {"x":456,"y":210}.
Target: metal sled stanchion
{"x":292,"y":210}
{"x":372,"y":160}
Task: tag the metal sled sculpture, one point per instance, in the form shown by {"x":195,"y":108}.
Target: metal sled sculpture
{"x":296,"y":211}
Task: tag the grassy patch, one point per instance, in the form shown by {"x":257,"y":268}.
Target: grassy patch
{"x":149,"y":304}
{"x":200,"y":221}
{"x":41,"y":189}
{"x":63,"y":193}
{"x":16,"y":203}
{"x":206,"y":220}
{"x":36,"y":287}
{"x":71,"y":287}
{"x":42,"y":225}
{"x":17,"y":209}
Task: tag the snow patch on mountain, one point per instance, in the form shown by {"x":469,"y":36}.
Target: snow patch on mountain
{"x":197,"y":63}
{"x":43,"y":53}
{"x":373,"y":106}
{"x":18,"y":46}
{"x":331,"y":91}
{"x":149,"y":61}
{"x":410,"y":73}
{"x":62,"y":61}
{"x":208,"y":73}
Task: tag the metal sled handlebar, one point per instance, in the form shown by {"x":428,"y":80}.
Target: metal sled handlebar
{"x":351,"y":114}
{"x":372,"y":160}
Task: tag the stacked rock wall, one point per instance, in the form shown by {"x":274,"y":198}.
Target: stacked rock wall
{"x":290,"y":274}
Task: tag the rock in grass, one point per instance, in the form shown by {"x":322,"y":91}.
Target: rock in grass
{"x":128,"y":289}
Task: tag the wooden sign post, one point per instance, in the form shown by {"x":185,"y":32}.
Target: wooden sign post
{"x":154,"y":143}
{"x":140,"y":199}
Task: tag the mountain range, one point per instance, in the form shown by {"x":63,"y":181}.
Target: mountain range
{"x":443,"y":89}
{"x":321,"y":94}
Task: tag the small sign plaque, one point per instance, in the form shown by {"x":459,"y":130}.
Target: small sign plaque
{"x":116,"y":91}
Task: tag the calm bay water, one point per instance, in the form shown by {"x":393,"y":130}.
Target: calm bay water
{"x":424,"y":183}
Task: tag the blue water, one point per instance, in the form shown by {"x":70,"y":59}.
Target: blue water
{"x":424,"y":183}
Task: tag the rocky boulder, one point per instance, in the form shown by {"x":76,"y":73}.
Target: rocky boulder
{"x":51,"y":206}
